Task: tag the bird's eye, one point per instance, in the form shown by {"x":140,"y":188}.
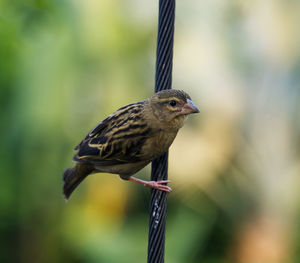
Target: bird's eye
{"x":172,"y":103}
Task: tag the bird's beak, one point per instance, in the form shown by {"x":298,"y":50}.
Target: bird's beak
{"x":189,"y":107}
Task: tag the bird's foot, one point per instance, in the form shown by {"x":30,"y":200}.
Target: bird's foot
{"x":159,"y":185}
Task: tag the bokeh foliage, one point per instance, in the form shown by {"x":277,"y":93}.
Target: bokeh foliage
{"x":65,"y":65}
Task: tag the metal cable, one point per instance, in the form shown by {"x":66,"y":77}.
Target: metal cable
{"x":163,"y":81}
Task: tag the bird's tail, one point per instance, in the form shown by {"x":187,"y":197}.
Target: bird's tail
{"x":72,"y":177}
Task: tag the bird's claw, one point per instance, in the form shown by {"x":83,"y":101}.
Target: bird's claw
{"x":159,"y":185}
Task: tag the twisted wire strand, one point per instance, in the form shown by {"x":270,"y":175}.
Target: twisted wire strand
{"x":163,"y":81}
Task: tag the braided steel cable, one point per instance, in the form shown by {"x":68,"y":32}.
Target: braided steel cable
{"x":163,"y":81}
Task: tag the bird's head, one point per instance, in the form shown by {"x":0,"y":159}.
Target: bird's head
{"x":171,"y":107}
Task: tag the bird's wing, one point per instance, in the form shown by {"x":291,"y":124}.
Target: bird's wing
{"x":117,"y":139}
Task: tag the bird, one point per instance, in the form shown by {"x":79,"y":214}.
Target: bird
{"x":130,"y":138}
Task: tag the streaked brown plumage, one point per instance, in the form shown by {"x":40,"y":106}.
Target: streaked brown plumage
{"x":130,"y":138}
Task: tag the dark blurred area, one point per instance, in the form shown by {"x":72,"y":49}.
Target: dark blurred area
{"x":65,"y":65}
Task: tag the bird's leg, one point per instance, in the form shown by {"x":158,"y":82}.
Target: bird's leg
{"x":153,"y":184}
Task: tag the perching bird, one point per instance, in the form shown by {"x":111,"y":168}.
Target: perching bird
{"x":130,"y":138}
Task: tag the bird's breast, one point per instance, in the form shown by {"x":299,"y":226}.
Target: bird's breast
{"x":158,"y":144}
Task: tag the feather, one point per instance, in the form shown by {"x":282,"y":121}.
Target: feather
{"x":118,"y":139}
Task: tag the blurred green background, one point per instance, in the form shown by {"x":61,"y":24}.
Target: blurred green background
{"x":66,"y":64}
